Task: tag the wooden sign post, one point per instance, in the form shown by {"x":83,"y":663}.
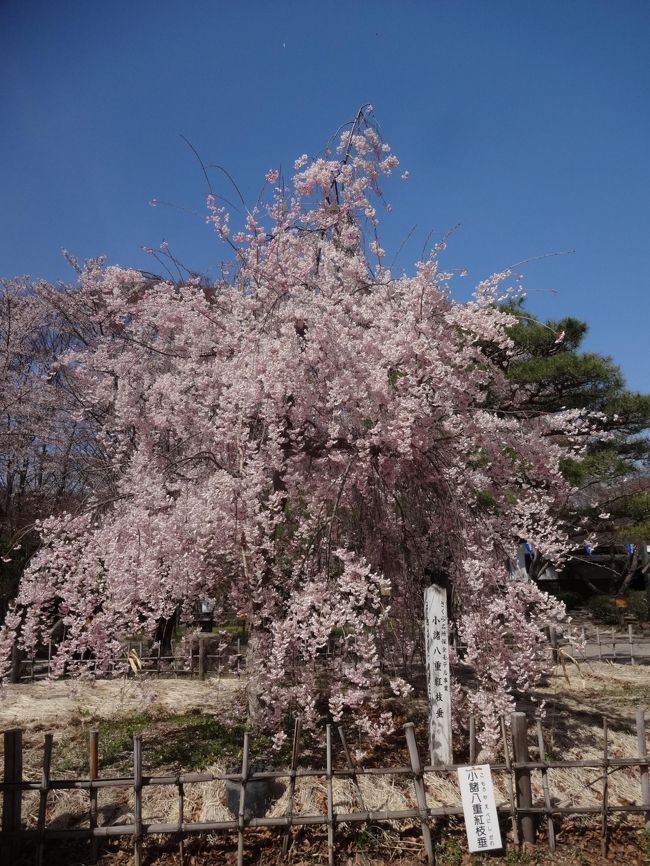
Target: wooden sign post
{"x":436,"y":634}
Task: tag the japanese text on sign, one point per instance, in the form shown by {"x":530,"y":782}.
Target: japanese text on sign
{"x":479,"y":808}
{"x":438,"y":681}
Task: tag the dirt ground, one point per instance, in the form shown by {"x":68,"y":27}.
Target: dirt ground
{"x":177,"y":714}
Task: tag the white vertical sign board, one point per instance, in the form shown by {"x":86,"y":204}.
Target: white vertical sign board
{"x":480,"y":808}
{"x":438,"y":680}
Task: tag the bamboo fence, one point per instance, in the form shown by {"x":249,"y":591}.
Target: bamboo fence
{"x":525,"y":816}
{"x":207,"y":654}
{"x":611,"y":645}
{"x":204,"y":654}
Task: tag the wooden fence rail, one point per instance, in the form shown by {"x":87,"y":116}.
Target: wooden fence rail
{"x":225,"y":655}
{"x":199,"y":661}
{"x":520,"y":809}
{"x":200,"y":657}
{"x":610,"y":645}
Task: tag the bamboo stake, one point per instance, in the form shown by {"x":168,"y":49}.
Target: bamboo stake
{"x":181,"y":818}
{"x":93,"y":766}
{"x":420,"y":791}
{"x":330,"y":798}
{"x":292,"y":785}
{"x":201,"y":659}
{"x":547,"y":789}
{"x":643,"y":770}
{"x":42,"y":805}
{"x":137,"y":788}
{"x":351,"y":766}
{"x":511,"y":793}
{"x":604,"y":841}
{"x":242,"y":803}
{"x":630,"y":634}
{"x":519,"y":728}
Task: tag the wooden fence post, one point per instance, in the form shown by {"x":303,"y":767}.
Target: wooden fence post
{"x":643,"y":770}
{"x":604,"y":829}
{"x":511,"y":794}
{"x":93,"y":767}
{"x":550,"y":829}
{"x":630,"y":634}
{"x":12,"y":798}
{"x":330,"y":798}
{"x":42,"y":804}
{"x":420,"y":792}
{"x":552,"y":633}
{"x":137,"y":789}
{"x":241,"y":816}
{"x":292,"y":785}
{"x":522,"y":776}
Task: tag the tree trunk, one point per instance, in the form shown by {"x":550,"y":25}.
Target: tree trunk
{"x":645,"y":566}
{"x":165,"y":631}
{"x":632,"y":566}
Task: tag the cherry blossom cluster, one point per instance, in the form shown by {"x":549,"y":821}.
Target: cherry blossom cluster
{"x":309,"y":444}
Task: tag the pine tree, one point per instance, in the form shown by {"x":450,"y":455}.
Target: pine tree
{"x":612,"y":477}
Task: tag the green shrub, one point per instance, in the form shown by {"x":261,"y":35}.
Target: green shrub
{"x":572,"y":600}
{"x":449,"y":852}
{"x":637,"y":602}
{"x":603,"y":609}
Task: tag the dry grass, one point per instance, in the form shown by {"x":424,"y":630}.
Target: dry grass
{"x":69,"y":709}
{"x":55,"y":705}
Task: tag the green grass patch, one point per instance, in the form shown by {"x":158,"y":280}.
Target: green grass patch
{"x":188,"y":741}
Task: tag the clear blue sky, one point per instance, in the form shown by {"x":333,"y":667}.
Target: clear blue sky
{"x":526,"y":122}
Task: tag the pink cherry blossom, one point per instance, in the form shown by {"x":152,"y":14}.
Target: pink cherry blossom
{"x":309,"y":443}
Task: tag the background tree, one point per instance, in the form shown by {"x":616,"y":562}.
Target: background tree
{"x":612,"y":476}
{"x":50,"y":458}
